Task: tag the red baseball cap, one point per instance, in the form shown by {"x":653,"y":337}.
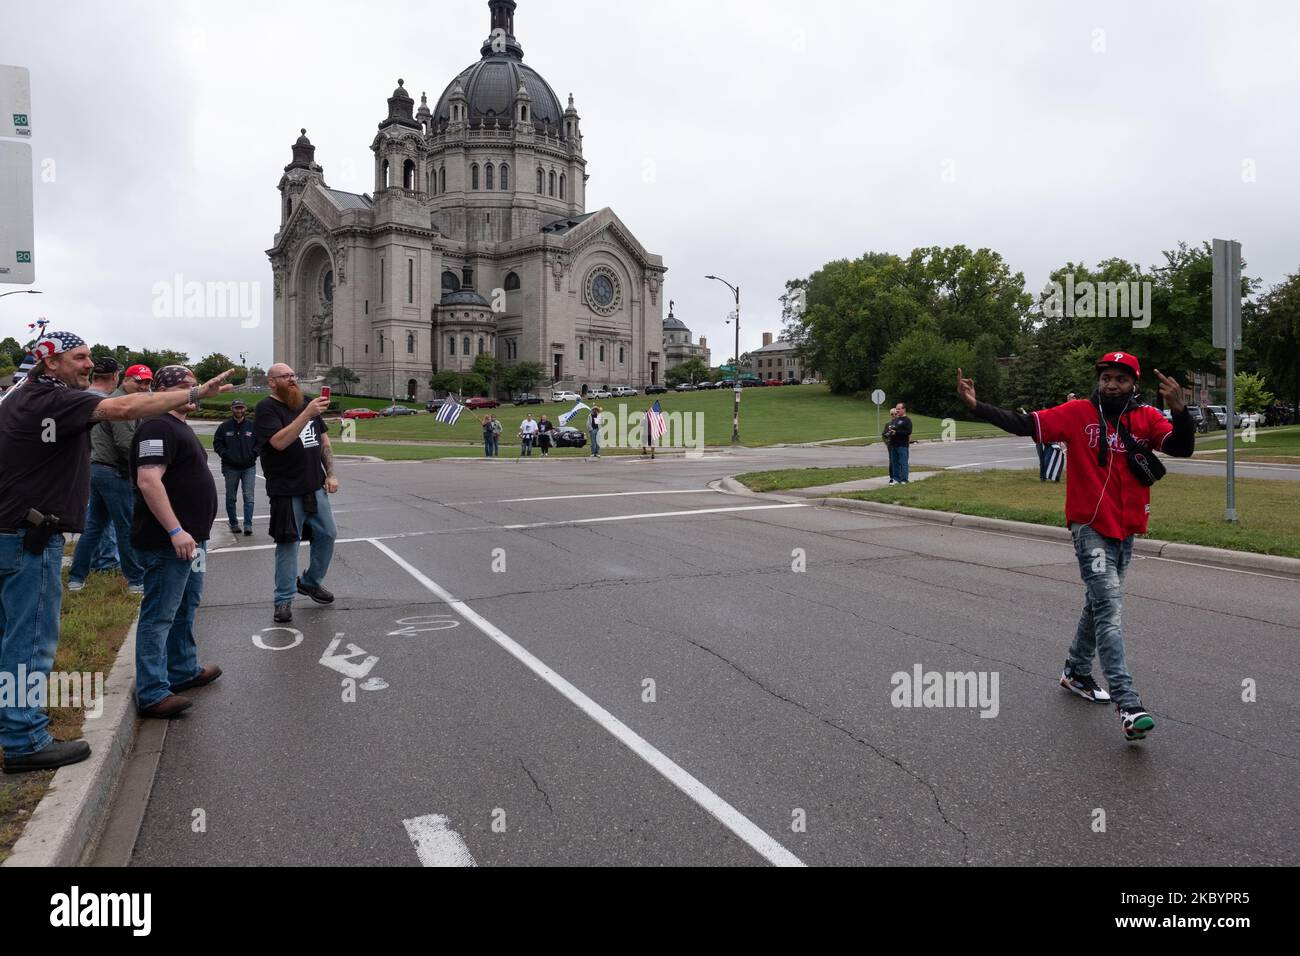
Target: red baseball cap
{"x":140,"y":372}
{"x":1122,"y":359}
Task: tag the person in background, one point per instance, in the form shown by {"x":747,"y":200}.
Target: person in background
{"x":496,"y":437}
{"x":527,"y":435}
{"x":298,"y":465}
{"x":111,"y":494}
{"x":236,"y":445}
{"x":176,"y":504}
{"x":544,"y":429}
{"x":594,"y":422}
{"x":489,"y":438}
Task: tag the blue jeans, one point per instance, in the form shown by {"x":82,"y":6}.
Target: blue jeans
{"x":107,"y":558}
{"x":323,"y":533}
{"x":487,"y":447}
{"x":1044,"y":455}
{"x":112,"y":500}
{"x":165,"y":652}
{"x":898,"y":463}
{"x":595,"y":442}
{"x":235,"y":477}
{"x":1103,"y":562}
{"x":31,"y":596}
{"x":526,"y":449}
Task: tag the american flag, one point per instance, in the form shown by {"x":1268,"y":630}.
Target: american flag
{"x":449,"y":414}
{"x":655,"y":423}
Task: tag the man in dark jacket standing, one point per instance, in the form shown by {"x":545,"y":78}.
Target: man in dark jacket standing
{"x":1107,"y":503}
{"x":176,"y":504}
{"x":898,"y":436}
{"x":236,"y":445}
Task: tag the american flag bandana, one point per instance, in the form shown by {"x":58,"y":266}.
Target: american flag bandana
{"x":46,"y":344}
{"x":169,"y":376}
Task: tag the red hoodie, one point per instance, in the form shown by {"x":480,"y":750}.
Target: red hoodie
{"x":1111,"y":499}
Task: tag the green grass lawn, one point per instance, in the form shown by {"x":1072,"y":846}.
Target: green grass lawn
{"x":1184,"y":508}
{"x":1279,"y":443}
{"x":789,"y":478}
{"x":768,"y":416}
{"x":92,"y":627}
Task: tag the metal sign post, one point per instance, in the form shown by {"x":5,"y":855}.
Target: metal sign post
{"x":1227,"y":336}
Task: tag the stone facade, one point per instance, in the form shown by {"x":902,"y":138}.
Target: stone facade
{"x":475,"y":240}
{"x":778,"y":360}
{"x":678,"y":347}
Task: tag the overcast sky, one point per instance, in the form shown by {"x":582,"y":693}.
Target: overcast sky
{"x":752,"y":140}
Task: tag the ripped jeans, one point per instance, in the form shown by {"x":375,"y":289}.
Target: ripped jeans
{"x":1103,"y":562}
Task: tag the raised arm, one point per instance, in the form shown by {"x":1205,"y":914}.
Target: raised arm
{"x":127,"y":408}
{"x":1016,"y":423}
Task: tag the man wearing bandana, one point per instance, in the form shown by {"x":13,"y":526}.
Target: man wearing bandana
{"x":45,"y":423}
{"x":1106,"y":506}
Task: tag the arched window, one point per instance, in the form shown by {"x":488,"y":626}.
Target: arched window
{"x":473,"y":176}
{"x":288,"y":206}
{"x":387,"y":176}
{"x":563,"y":185}
{"x":480,"y":345}
{"x":523,"y":114}
{"x":581,"y":351}
{"x":620,"y":355}
{"x":408,"y":175}
{"x":490,"y":175}
{"x":410,"y":343}
{"x":464,"y":345}
{"x":512,"y":282}
{"x":602,"y":353}
{"x":442,"y":180}
{"x":505,"y":176}
{"x":428,"y":182}
{"x":552,"y":184}
{"x":451,"y":345}
{"x":540,"y":181}
{"x":450,"y":283}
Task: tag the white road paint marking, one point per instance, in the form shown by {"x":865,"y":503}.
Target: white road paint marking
{"x":616,"y":494}
{"x":999,"y":461}
{"x":410,"y":626}
{"x":723,"y":812}
{"x":343,"y":662}
{"x":260,"y":642}
{"x":436,"y":844}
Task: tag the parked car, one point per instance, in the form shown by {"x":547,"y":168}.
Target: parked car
{"x":474,"y":404}
{"x":624,"y":392}
{"x":527,"y":398}
{"x":565,"y":396}
{"x":396,"y":411}
{"x":652,"y":390}
{"x":566,"y":436}
{"x":1220,"y":413}
{"x":809,"y":381}
{"x":434,"y":404}
{"x":773,"y":381}
{"x":706,"y":386}
{"x":685,"y":387}
{"x":1198,"y":417}
{"x":357,"y":414}
{"x":600,"y":393}
{"x":1252,"y":418}
{"x":751,"y":383}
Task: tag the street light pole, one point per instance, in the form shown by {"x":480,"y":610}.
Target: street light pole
{"x":22,"y":292}
{"x":735,"y":416}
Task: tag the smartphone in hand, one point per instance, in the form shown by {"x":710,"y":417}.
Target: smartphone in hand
{"x":325,"y":392}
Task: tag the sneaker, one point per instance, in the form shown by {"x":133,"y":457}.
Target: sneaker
{"x":284,"y":613}
{"x":319,"y":595}
{"x":892,"y":481}
{"x":135,"y":589}
{"x":1136,"y":721}
{"x":1085,"y":687}
{"x":57,"y":753}
{"x":234,"y":529}
{"x":76,"y":585}
{"x":248,"y":532}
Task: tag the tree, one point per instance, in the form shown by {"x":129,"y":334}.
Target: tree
{"x":212,"y":366}
{"x":986,"y":369}
{"x":693,"y":370}
{"x":523,"y":377}
{"x":1273,"y":333}
{"x":1250,"y":393}
{"x":343,"y":377}
{"x":919,"y":370}
{"x":12,"y":350}
{"x":489,"y":369}
{"x":257,"y":376}
{"x":448,"y":382}
{"x":472,"y":384}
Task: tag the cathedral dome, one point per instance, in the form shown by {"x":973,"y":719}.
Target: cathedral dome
{"x":490,"y":85}
{"x":465,"y":297}
{"x":672,"y":323}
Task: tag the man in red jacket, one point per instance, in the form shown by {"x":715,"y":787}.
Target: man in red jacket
{"x":1106,"y":504}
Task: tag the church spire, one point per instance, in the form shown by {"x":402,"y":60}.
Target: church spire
{"x":501,"y":34}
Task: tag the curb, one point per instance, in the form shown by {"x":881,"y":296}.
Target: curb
{"x":1149,"y":547}
{"x":66,"y":822}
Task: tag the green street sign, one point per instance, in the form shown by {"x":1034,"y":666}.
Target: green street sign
{"x":726,"y":368}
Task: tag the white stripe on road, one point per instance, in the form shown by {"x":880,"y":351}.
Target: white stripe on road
{"x":436,"y":844}
{"x":980,"y":464}
{"x":616,"y":494}
{"x":722,"y":811}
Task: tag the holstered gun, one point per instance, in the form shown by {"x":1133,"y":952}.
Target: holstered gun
{"x":42,"y":528}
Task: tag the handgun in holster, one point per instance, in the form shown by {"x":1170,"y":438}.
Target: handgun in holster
{"x":42,"y":528}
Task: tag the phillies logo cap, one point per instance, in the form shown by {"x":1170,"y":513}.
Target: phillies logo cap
{"x":1122,"y":359}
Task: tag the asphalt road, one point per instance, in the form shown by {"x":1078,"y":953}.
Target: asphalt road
{"x":603,"y":663}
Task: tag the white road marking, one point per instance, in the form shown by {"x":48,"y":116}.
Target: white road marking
{"x":343,"y":662}
{"x":723,"y":812}
{"x":436,"y":844}
{"x":615,"y":494}
{"x":978,"y":464}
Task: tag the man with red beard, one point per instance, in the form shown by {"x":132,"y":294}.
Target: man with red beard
{"x":298,"y":465}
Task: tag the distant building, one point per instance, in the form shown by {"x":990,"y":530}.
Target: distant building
{"x":778,"y":360}
{"x":677,"y":343}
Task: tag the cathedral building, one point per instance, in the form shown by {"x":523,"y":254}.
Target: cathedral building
{"x":476,"y":240}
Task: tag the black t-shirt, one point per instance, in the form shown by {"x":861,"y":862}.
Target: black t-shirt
{"x":901,"y":435}
{"x":189,"y":485}
{"x":299,"y":469}
{"x":45,"y":454}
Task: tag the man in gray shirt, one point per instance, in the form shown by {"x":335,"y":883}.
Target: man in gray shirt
{"x":112,"y":498}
